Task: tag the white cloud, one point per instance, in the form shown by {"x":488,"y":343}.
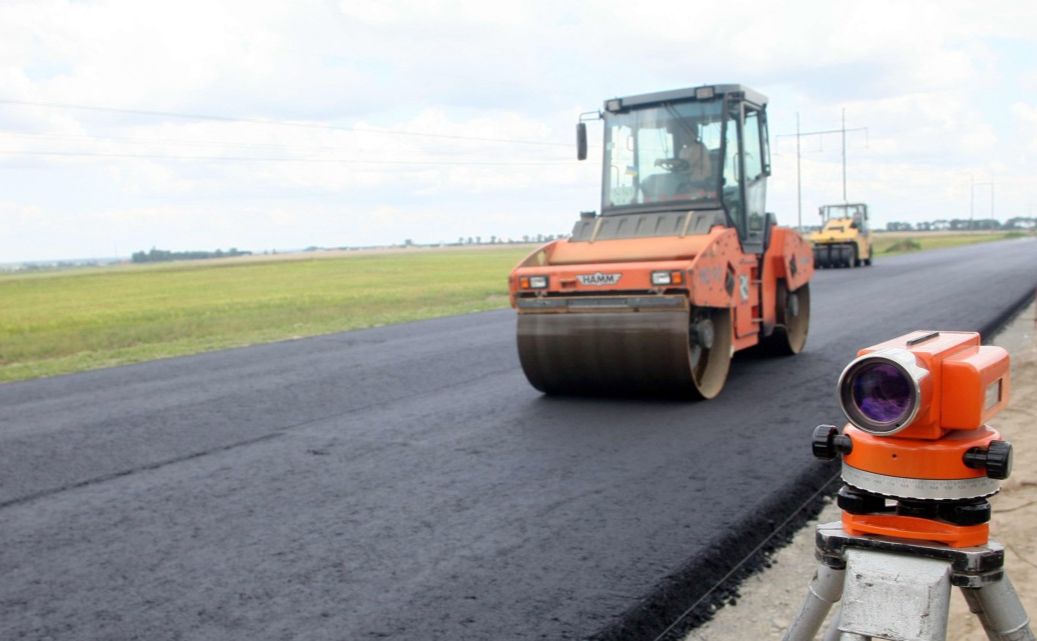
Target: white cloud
{"x":929,"y":79}
{"x":1026,"y":124}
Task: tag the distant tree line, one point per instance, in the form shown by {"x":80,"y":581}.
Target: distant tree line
{"x":54,"y":265}
{"x":162,"y":255}
{"x":497,"y":240}
{"x":964,"y":224}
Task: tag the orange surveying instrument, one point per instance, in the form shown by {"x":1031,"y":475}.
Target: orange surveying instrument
{"x":919,"y":463}
{"x":918,"y":407}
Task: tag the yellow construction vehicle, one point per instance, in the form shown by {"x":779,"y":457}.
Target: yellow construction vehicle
{"x":845,"y":237}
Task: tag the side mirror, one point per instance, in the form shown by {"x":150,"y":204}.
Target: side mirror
{"x":581,"y":141}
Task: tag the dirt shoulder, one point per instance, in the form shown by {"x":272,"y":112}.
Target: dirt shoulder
{"x":769,"y":600}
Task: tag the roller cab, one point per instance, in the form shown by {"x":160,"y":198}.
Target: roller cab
{"x":682,"y":267}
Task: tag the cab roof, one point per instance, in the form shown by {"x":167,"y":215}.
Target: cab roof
{"x":702,"y":92}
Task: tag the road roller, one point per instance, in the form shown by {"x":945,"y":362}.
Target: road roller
{"x":682,"y":267}
{"x":844,"y":239}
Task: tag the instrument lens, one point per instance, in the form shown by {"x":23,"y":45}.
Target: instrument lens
{"x":882,"y":393}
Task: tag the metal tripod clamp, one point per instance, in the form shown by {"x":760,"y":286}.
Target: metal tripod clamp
{"x":900,"y":589}
{"x":970,"y":567}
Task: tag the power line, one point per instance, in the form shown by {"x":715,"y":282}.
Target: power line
{"x":278,"y":123}
{"x":347,"y":161}
{"x":800,"y":134}
{"x":154,"y":142}
{"x":166,"y":141}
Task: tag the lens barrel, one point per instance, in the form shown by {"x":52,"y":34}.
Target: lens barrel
{"x":881,"y":392}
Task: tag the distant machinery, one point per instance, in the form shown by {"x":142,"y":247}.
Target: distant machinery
{"x":845,"y":236}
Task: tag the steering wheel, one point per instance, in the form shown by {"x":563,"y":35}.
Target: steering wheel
{"x":673,"y":165}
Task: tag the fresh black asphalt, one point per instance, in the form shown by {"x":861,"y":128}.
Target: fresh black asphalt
{"x":406,"y":482}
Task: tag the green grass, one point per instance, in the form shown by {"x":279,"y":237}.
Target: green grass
{"x":67,"y":321}
{"x":890,"y":244}
{"x":59,"y":322}
{"x":903,"y":246}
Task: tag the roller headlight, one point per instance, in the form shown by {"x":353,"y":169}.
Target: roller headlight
{"x":533,"y":282}
{"x":667,"y":278}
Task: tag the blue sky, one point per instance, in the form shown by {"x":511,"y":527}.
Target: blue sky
{"x":948,"y":91}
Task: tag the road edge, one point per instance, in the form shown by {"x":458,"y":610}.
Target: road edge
{"x":688,"y":597}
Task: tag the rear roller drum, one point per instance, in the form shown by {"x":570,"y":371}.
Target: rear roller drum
{"x":792,"y":320}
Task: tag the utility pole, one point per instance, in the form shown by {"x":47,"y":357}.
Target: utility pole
{"x":801,"y":134}
{"x":799,"y":183}
{"x":972,"y":198}
{"x":844,"y":155}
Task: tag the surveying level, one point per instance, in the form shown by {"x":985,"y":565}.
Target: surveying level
{"x":919,"y":463}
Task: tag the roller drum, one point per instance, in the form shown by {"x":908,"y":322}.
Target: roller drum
{"x":622,"y":353}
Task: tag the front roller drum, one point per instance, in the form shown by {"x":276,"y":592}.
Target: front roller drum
{"x":836,"y":255}
{"x":670,"y":353}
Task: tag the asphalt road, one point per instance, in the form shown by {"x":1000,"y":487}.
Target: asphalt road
{"x":406,"y":483}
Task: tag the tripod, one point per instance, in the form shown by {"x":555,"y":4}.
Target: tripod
{"x":900,"y":590}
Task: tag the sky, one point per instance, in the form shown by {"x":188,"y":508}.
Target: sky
{"x":131,"y":124}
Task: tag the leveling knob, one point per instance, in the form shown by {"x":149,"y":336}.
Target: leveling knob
{"x":829,"y":443}
{"x":996,"y":459}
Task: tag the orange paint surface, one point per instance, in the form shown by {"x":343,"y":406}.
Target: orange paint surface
{"x":917,"y":529}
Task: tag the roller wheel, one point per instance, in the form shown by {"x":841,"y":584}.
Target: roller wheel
{"x":867,"y":261}
{"x":821,"y":257}
{"x":709,"y":350}
{"x":856,"y":262}
{"x":792,"y":321}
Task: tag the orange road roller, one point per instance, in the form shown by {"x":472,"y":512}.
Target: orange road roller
{"x":682,"y":267}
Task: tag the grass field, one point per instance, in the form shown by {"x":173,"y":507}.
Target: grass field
{"x":68,"y":321}
{"x":893,"y":243}
{"x":58,"y":322}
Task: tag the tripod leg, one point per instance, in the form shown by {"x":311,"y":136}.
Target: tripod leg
{"x":832,"y":633}
{"x":997,"y":607}
{"x":825,"y":589}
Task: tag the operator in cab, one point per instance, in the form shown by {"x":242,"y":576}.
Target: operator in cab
{"x":696,"y":154}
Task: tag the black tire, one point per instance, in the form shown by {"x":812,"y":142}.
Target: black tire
{"x":792,"y":321}
{"x":711,"y":365}
{"x":867,"y":261}
{"x":856,"y":257}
